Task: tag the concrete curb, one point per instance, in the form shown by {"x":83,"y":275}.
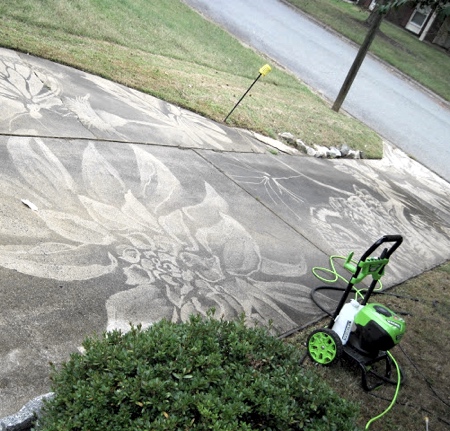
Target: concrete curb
{"x":23,"y":419}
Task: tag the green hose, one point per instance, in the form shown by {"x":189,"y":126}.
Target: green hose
{"x":336,"y":276}
{"x":397,"y":389}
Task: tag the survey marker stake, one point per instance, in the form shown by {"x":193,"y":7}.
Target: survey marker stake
{"x":262,"y":72}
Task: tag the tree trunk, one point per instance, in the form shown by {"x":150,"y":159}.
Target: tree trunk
{"x":374,"y":12}
{"x":378,"y":17}
{"x":372,"y":17}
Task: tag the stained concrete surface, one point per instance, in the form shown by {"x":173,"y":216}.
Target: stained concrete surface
{"x":145,"y":211}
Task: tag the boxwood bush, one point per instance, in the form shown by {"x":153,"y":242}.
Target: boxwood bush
{"x":202,"y":375}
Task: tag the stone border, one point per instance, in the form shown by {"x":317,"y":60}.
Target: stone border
{"x":23,"y":419}
{"x":320,"y":151}
{"x":277,"y":145}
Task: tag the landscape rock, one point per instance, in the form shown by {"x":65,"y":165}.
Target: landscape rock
{"x":333,"y":153}
{"x":24,"y":418}
{"x":305,"y":149}
{"x":288,"y":137}
{"x":321,"y":151}
{"x":311,"y":151}
{"x":299,"y":143}
{"x":344,"y":150}
{"x":354,"y":154}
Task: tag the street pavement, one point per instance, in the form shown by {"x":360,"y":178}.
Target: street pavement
{"x":400,"y":111}
{"x":116,"y":207}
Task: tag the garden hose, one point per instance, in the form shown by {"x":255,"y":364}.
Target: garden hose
{"x":335,"y":276}
{"x":397,"y":389}
{"x":333,"y":271}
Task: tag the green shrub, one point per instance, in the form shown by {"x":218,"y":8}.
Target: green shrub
{"x":202,"y":375}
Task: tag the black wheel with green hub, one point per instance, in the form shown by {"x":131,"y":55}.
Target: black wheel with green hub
{"x":324,"y":346}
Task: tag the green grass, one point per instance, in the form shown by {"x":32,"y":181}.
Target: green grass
{"x":164,"y":48}
{"x":424,"y":62}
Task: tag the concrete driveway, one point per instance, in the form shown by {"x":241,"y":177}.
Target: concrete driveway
{"x":116,"y":207}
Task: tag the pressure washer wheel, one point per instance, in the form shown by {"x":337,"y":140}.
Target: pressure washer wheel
{"x":324,"y":346}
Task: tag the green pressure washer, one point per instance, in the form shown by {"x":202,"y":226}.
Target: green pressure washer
{"x":362,"y":332}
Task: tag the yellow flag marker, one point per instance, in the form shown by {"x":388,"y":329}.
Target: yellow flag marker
{"x":265,"y":70}
{"x":262,"y":72}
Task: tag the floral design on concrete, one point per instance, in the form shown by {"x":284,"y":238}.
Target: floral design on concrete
{"x":32,"y":92}
{"x":179,"y":262}
{"x":371,"y":199}
{"x":178,"y":125}
{"x":27,"y":92}
{"x":278,"y":190}
{"x":403,"y":193}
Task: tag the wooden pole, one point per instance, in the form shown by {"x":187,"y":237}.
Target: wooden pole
{"x":357,"y":62}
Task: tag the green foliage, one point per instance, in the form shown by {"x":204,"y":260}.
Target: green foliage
{"x":201,"y":375}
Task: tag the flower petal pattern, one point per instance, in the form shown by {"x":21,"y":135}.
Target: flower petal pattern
{"x":75,"y":228}
{"x":40,"y":168}
{"x":102,"y":180}
{"x":176,"y":261}
{"x":240,"y":253}
{"x":50,"y":261}
{"x":157,"y":182}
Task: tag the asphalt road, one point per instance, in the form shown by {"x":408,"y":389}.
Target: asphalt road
{"x":396,"y":108}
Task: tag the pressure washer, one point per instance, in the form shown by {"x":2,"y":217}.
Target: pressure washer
{"x":360,"y":331}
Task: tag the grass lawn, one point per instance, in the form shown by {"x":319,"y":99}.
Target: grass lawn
{"x":422,"y":61}
{"x":164,"y":48}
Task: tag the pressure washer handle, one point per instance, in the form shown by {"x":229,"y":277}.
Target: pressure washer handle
{"x":366,"y":266}
{"x":396,"y":239}
{"x":382,"y":260}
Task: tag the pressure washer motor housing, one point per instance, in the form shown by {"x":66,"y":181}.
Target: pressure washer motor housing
{"x":360,"y":331}
{"x":374,"y":327}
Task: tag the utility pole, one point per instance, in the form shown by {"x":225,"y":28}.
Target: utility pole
{"x":358,"y":60}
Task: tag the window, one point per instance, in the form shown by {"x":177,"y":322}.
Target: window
{"x":418,"y":19}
